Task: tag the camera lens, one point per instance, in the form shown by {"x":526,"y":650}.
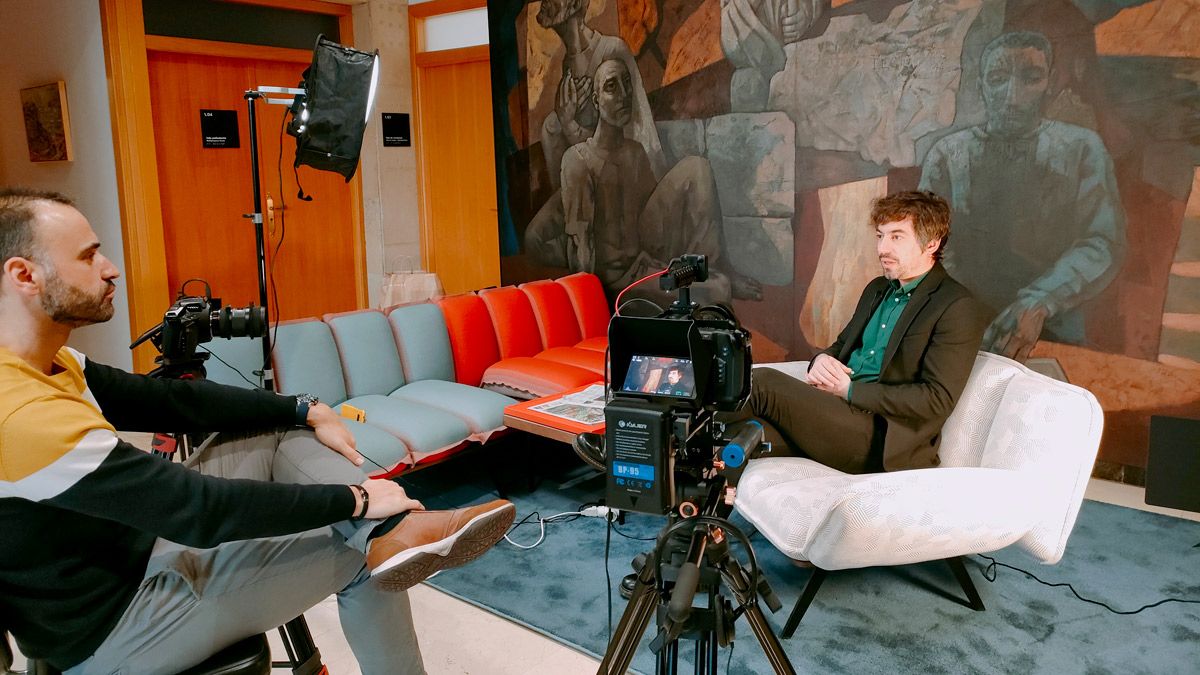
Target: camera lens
{"x":231,"y":322}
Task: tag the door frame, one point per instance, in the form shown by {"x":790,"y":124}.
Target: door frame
{"x":420,"y":59}
{"x":126,"y":48}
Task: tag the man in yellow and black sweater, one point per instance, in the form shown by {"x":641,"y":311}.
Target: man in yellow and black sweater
{"x":113,"y":560}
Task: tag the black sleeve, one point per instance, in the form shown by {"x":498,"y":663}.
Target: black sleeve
{"x":141,"y":403}
{"x":178,"y":504}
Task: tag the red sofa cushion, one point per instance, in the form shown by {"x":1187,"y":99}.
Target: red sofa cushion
{"x":589,"y":302}
{"x":525,"y":378}
{"x":555,"y":316}
{"x":472,"y":337}
{"x":573,"y":356}
{"x":512,"y":316}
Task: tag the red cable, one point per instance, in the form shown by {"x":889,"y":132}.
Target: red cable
{"x":617,"y":306}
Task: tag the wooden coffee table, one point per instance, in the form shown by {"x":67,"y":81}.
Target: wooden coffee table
{"x":521,"y":416}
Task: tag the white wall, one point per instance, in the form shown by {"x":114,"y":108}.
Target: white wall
{"x":44,"y":41}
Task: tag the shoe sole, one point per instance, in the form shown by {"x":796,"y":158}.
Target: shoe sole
{"x":472,"y":541}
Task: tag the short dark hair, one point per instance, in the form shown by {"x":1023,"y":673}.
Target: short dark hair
{"x":930,"y":215}
{"x":1020,"y":39}
{"x":16,"y":220}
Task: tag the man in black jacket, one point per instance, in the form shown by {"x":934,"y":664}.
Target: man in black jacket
{"x":117,"y":561}
{"x":877,"y":398}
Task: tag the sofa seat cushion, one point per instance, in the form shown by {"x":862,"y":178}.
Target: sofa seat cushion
{"x":525,"y":377}
{"x":580,"y":358}
{"x":423,"y":428}
{"x":596,"y":344}
{"x":385,"y":453}
{"x":482,"y":410}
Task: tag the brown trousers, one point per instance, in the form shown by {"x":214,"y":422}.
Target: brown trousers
{"x":800,"y":420}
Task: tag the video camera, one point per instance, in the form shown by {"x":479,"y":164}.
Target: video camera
{"x":193,"y":320}
{"x":670,"y":374}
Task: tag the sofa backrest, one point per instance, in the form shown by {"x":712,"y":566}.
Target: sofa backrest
{"x":423,"y":342}
{"x":555,"y":316}
{"x":305,"y":360}
{"x":1013,"y":418}
{"x":367,"y":351}
{"x":512,"y":316}
{"x":590,"y":304}
{"x":472,"y":337}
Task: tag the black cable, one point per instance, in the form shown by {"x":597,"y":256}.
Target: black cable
{"x":990,"y":571}
{"x":629,"y":536}
{"x":607,"y":577}
{"x":230,"y":366}
{"x":729,"y":659}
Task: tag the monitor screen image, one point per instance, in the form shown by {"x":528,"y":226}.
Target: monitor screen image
{"x":660,"y":375}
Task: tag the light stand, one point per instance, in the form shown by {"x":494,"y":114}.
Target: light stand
{"x":256,"y":215}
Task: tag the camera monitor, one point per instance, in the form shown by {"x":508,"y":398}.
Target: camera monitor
{"x":660,"y":375}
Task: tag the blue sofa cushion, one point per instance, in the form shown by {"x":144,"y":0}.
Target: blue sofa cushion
{"x":367,"y":351}
{"x":384,"y":452}
{"x":426,"y":430}
{"x":306,"y":361}
{"x":423,"y":342}
{"x":482,"y":410}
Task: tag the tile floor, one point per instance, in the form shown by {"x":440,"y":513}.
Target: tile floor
{"x":501,"y":647}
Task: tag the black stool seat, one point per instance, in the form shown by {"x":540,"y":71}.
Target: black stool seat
{"x":251,"y":656}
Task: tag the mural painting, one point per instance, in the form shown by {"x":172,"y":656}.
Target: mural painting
{"x":1064,"y":133}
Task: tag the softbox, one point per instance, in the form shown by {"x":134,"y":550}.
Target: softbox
{"x":329,"y":120}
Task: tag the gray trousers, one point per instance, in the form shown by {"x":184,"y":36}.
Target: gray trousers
{"x":194,"y":602}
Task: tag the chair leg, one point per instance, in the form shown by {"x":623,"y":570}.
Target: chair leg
{"x":964,"y":580}
{"x":806,"y":598}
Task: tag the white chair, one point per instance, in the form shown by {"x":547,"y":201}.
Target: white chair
{"x":1016,"y":456}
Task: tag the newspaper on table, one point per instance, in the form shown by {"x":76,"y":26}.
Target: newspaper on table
{"x":582,"y":407}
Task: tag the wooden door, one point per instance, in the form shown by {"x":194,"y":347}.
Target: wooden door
{"x":457,"y":167}
{"x":206,"y":191}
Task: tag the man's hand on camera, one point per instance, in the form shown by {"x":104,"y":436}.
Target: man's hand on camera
{"x":331,"y":431}
{"x":385,"y":498}
{"x":830,"y":375}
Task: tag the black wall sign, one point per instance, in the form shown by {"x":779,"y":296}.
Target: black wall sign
{"x":396,"y":130}
{"x":219,"y":128}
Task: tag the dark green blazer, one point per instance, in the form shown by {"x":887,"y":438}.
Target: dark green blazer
{"x":925,"y":367}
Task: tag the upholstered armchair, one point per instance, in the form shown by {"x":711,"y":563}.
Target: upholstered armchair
{"x":1016,"y":456}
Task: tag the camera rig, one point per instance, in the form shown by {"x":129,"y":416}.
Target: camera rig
{"x":191,"y":321}
{"x":667,"y":454}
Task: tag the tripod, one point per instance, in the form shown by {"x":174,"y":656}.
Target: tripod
{"x":692,"y":557}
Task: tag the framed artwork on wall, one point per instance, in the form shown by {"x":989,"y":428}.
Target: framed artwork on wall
{"x":47,"y":123}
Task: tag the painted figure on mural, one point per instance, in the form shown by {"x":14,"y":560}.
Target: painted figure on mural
{"x":574,"y":117}
{"x":1038,"y":222}
{"x":753,"y":33}
{"x":620,"y":223}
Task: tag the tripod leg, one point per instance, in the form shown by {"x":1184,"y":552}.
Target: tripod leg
{"x":633,"y":623}
{"x":737,"y":581}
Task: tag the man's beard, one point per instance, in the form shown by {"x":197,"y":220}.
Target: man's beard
{"x":72,"y":306}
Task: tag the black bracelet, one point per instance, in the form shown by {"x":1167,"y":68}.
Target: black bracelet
{"x":366,"y":500}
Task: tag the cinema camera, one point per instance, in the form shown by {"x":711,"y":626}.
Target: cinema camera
{"x":666,"y":454}
{"x":192,"y":321}
{"x":676,"y":370}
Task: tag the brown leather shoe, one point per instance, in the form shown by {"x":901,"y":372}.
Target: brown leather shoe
{"x":428,"y":541}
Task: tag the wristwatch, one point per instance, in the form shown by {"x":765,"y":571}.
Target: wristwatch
{"x":303,"y":403}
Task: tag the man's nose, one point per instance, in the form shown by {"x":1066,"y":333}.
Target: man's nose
{"x":109,"y":270}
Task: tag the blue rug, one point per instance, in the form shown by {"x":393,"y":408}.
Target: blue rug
{"x":903,"y":620}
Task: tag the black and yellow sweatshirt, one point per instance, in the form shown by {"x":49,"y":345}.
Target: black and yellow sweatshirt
{"x":80,"y":509}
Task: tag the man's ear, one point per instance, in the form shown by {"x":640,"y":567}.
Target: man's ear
{"x":19,"y":275}
{"x":933,"y":246}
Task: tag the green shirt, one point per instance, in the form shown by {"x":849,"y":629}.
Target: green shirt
{"x":867,"y":360}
